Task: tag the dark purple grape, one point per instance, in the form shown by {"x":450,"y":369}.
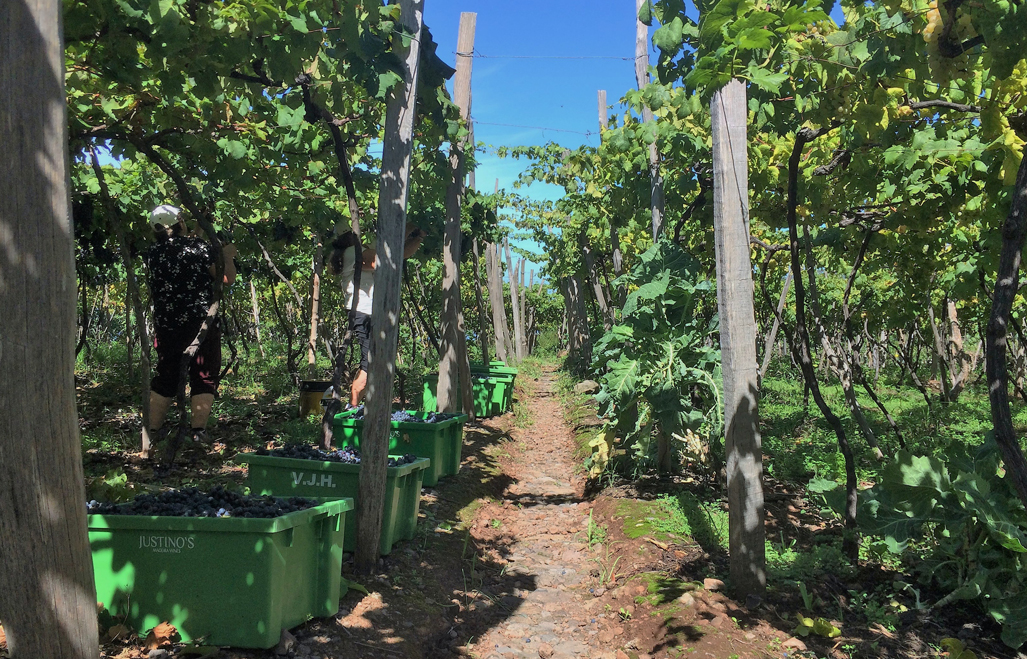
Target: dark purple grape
{"x":191,"y":502}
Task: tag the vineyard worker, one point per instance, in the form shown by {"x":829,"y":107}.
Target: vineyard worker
{"x":181,"y":271}
{"x":343,"y":262}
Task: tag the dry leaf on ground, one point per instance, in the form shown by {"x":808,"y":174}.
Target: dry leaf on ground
{"x":160,"y":636}
{"x":118,"y":633}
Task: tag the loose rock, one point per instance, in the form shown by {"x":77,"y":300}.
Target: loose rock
{"x":286,"y":643}
{"x":794,"y":644}
{"x":586,"y":387}
{"x":712,"y":584}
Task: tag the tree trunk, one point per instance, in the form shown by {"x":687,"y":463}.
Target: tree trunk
{"x":495,"y":287}
{"x":392,"y":215}
{"x":850,"y":541}
{"x":1007,"y":283}
{"x":604,"y":308}
{"x":483,"y":341}
{"x":87,"y":314}
{"x":523,"y":295}
{"x":450,"y":385}
{"x":941,"y":358}
{"x":642,"y":79}
{"x":772,"y":337}
{"x":48,"y":600}
{"x":578,"y":338}
{"x":514,"y":302}
{"x":618,"y":265}
{"x":958,"y":352}
{"x":738,"y":341}
{"x":256,"y":317}
{"x":315,"y":312}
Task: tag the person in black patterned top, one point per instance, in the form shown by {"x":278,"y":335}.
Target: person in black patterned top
{"x":181,"y":272}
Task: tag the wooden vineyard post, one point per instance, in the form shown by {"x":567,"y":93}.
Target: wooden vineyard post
{"x":47,"y":596}
{"x":450,"y":386}
{"x":254,"y":299}
{"x":315,"y":311}
{"x":483,"y":340}
{"x":642,"y":79}
{"x":738,"y":341}
{"x":504,"y":348}
{"x":603,"y":120}
{"x":514,"y":303}
{"x":392,"y":215}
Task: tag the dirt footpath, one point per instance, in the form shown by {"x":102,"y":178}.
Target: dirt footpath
{"x":537,"y":533}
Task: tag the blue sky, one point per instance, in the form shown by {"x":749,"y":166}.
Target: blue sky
{"x":516,"y":80}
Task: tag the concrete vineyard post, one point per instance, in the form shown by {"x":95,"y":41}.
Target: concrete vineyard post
{"x":738,"y":341}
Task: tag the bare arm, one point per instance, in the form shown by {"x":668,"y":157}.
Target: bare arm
{"x":229,"y":251}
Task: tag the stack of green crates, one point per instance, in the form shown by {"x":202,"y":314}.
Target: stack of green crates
{"x":230,"y":581}
{"x":505,"y":376}
{"x":440,"y":442}
{"x":291,"y":477}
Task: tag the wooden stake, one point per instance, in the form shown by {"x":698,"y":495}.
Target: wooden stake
{"x":392,"y":215}
{"x":315,"y":311}
{"x":449,"y":395}
{"x":738,"y":341}
{"x":642,"y":79}
{"x":515,"y":305}
{"x":256,"y":316}
{"x":602,"y":110}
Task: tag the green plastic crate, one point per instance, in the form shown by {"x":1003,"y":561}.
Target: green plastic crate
{"x":290,"y":477}
{"x":435,"y":441}
{"x":506,"y":376}
{"x":231,"y":581}
{"x":482,"y":393}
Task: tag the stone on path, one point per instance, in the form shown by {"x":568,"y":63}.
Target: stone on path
{"x":712,"y":584}
{"x":794,"y":644}
{"x":586,"y":387}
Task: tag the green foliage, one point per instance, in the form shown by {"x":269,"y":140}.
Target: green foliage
{"x":974,"y":519}
{"x":657,"y":369}
{"x":818,"y":626}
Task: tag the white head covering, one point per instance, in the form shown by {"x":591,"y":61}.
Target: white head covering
{"x":164,"y":216}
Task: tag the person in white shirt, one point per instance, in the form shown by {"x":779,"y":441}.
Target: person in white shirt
{"x":343,"y":262}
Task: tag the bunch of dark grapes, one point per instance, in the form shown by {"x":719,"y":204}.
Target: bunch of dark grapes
{"x":404,"y":460}
{"x":191,"y":502}
{"x":347,"y":455}
{"x":403,"y":416}
{"x":297,"y":451}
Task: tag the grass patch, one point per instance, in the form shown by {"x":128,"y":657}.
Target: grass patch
{"x":531,"y":367}
{"x":673,"y":518}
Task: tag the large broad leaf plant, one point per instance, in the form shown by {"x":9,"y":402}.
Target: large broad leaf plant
{"x":971,"y":514}
{"x":658,"y":367}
